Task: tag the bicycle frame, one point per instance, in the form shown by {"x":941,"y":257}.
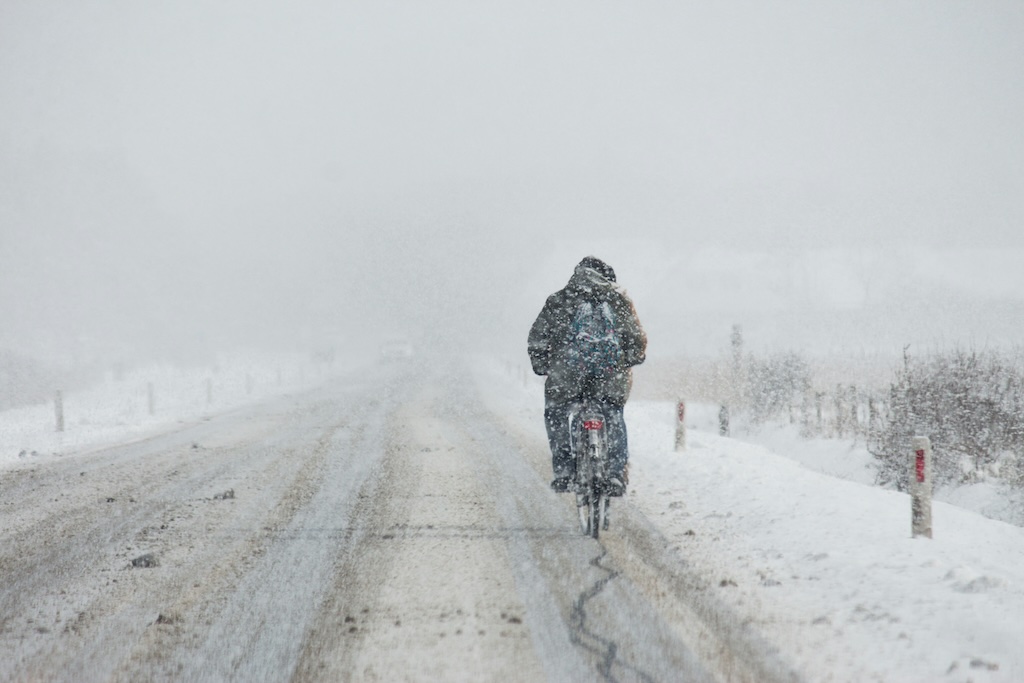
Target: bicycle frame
{"x":589,"y":444}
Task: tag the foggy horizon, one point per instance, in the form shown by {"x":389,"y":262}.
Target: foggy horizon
{"x":183,"y":179}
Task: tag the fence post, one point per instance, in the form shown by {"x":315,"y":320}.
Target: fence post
{"x":680,"y":425}
{"x":723,"y":421}
{"x":58,"y":409}
{"x":854,"y":412}
{"x":818,"y":398}
{"x":921,"y":487}
{"x":840,"y":415}
{"x":805,"y":412}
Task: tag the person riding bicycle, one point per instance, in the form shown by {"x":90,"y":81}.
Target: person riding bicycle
{"x":586,"y":339}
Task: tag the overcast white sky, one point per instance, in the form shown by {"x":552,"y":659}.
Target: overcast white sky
{"x":191,"y":172}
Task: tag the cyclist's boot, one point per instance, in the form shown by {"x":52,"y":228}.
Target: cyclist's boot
{"x":561,"y":484}
{"x":614,"y":486}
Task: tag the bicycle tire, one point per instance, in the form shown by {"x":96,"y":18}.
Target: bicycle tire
{"x":583,"y":510}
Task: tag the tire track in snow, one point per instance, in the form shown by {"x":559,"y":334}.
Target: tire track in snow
{"x":260,"y":631}
{"x":116,"y":634}
{"x":606,"y":649}
{"x":427,"y":594}
{"x":69,"y":561}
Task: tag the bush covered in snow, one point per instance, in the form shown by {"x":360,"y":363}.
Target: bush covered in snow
{"x":775,"y":383}
{"x":969,"y":403}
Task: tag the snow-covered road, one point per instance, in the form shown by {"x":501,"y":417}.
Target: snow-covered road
{"x":388,"y":527}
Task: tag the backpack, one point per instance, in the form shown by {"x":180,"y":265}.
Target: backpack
{"x":594,"y":349}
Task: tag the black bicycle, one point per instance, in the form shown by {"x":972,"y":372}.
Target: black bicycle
{"x":589,"y":444}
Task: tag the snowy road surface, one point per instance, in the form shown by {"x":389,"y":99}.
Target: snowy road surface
{"x":385,"y":528}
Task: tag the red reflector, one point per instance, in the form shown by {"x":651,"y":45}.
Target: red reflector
{"x":593,"y":424}
{"x":919,"y":465}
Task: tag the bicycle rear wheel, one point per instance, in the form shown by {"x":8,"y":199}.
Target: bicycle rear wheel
{"x":595,"y":511}
{"x":583,"y":508}
{"x":592,"y":509}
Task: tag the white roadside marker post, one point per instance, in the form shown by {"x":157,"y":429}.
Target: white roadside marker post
{"x":680,"y":425}
{"x":921,"y":487}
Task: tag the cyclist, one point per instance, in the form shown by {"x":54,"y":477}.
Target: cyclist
{"x":562,"y":345}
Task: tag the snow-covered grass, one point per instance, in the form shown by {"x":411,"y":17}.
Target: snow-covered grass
{"x":119,"y":408}
{"x":843,"y":458}
{"x":849,"y":459}
{"x":795,"y":538}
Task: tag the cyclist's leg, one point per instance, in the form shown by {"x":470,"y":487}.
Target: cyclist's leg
{"x":618,"y":444}
{"x":556,"y":419}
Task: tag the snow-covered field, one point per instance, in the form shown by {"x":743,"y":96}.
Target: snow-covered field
{"x":825,"y":566}
{"x":118,"y":409}
{"x":790,"y":535}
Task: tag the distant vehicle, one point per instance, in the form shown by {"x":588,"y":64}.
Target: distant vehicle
{"x":396,"y":349}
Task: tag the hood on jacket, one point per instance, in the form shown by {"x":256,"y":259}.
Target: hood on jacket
{"x":596,"y":264}
{"x":592,"y":273}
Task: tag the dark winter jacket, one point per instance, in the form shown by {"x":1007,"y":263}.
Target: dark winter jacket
{"x":551,"y":333}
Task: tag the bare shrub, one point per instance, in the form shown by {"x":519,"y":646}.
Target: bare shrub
{"x":775,"y":383}
{"x":969,"y":403}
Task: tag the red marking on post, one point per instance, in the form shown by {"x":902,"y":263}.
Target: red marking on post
{"x":593,"y":424}
{"x":919,"y":464}
{"x":682,"y":411}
